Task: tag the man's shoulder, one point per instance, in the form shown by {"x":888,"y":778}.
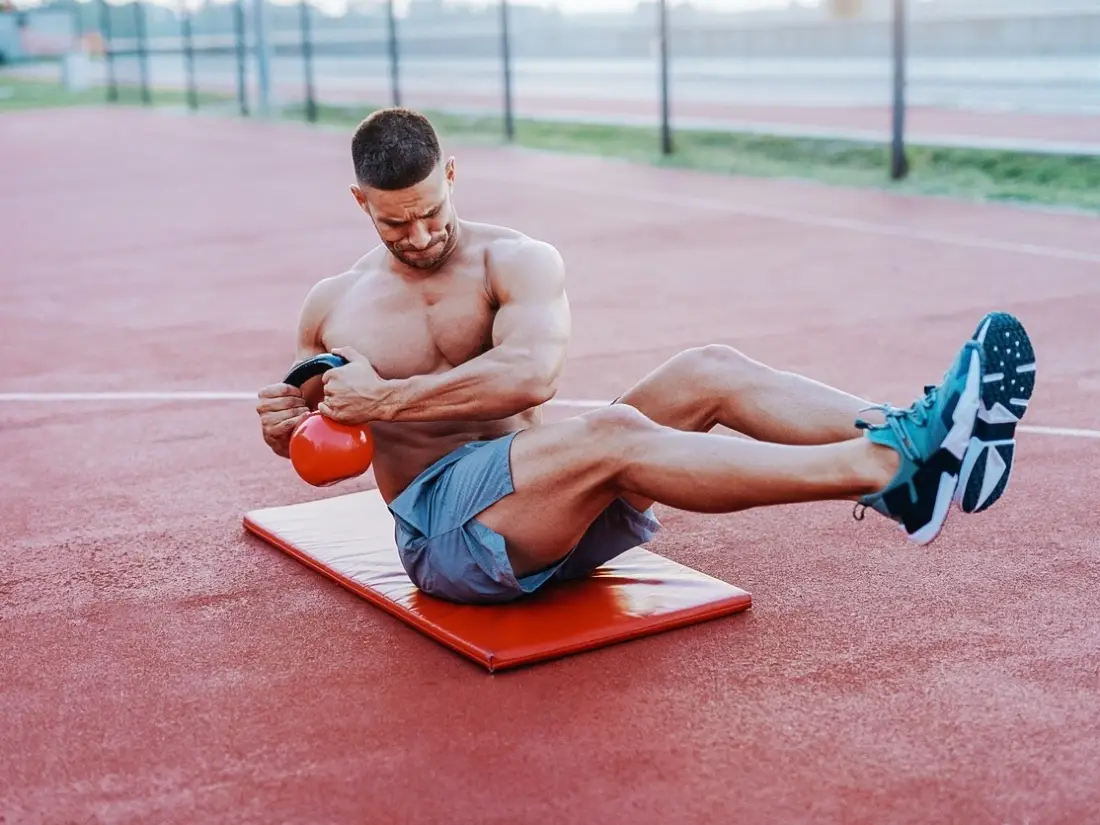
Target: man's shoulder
{"x":331,"y":286}
{"x":518,"y":264}
{"x":330,"y":289}
{"x":509,"y":251}
{"x":498,"y":238}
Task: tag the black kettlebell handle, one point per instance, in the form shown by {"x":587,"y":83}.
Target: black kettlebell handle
{"x":312,"y":367}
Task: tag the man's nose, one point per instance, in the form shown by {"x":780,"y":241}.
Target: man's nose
{"x":420,"y":238}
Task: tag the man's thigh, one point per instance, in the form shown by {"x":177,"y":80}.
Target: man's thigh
{"x":563,"y":479}
{"x":675,"y":394}
{"x":563,"y":472}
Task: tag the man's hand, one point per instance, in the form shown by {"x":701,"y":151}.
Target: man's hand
{"x":281,"y":408}
{"x":354,"y":393}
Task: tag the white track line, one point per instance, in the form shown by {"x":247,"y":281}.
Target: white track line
{"x":168,"y":395}
{"x":822,"y":221}
{"x":1068,"y":432}
{"x":188,"y":395}
{"x":191,"y":395}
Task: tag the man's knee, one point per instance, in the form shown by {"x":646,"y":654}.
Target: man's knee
{"x":614,"y":432}
{"x":618,"y":436}
{"x":615,"y":421}
{"x":717,"y":365}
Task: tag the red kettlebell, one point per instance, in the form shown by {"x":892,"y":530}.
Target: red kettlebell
{"x":325,"y":452}
{"x":322,"y":451}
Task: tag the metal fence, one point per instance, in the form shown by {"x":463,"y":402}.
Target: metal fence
{"x":844,"y":69}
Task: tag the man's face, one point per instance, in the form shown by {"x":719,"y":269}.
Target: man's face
{"x":416,"y":224}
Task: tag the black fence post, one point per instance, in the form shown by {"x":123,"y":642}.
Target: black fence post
{"x":506,"y":57}
{"x":142,"y":50}
{"x":395,"y":79}
{"x":189,"y":57}
{"x":307,"y":59}
{"x":899,"y":163}
{"x":108,"y":50}
{"x":666,"y":126}
{"x":242,"y":57}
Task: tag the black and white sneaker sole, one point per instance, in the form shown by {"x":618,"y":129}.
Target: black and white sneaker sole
{"x":1006,"y":391}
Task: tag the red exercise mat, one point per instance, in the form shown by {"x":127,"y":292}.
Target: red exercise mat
{"x":350,"y":539}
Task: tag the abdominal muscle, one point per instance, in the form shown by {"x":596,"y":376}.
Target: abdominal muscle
{"x":403,"y":451}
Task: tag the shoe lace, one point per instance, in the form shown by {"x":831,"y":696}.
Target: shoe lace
{"x":899,"y":420}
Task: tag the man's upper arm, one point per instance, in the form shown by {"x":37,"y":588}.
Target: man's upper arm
{"x":308,"y":341}
{"x":533,"y":320}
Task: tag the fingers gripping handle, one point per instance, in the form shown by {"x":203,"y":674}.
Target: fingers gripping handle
{"x":322,"y":451}
{"x":312,"y":367}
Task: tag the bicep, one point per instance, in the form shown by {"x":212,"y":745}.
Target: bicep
{"x":533,"y":318}
{"x":308,"y":341}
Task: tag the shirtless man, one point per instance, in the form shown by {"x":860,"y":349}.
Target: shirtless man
{"x":456,"y":333}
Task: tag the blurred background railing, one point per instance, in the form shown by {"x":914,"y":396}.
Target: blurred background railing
{"x":991,"y":73}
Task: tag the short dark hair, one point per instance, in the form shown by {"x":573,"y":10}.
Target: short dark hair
{"x":394,"y":148}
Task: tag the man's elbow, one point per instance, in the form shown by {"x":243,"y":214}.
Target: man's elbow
{"x":530,"y":377}
{"x":538,"y":391}
{"x":537,"y":387}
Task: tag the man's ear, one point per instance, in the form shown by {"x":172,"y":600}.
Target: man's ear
{"x":360,"y":197}
{"x":450,"y":171}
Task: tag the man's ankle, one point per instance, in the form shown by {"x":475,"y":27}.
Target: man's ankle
{"x":879,"y":466}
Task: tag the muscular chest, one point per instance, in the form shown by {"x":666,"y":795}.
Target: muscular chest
{"x":413,"y":330}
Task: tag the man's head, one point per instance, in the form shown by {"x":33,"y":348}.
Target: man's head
{"x":404,"y":185}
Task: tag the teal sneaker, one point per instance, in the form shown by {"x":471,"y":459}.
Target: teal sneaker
{"x":932,"y":437}
{"x":1006,"y":391}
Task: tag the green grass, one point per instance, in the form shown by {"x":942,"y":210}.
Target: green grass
{"x":973,"y":174}
{"x":19,"y":94}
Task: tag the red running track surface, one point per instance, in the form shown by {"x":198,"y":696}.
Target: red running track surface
{"x":160,"y":666}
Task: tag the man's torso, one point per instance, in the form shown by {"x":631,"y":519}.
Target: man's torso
{"x":424,"y":325}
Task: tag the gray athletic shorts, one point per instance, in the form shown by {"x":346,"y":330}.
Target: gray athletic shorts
{"x":449,"y":554}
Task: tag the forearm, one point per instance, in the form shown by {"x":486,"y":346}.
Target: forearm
{"x":495,"y":385}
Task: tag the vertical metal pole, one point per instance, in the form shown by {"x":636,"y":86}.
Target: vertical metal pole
{"x":108,"y":50}
{"x":242,"y":57}
{"x":506,"y":57}
{"x":263,"y":55}
{"x":899,"y":164}
{"x":78,"y":24}
{"x":307,"y":59}
{"x":142,"y":50}
{"x":189,"y":57}
{"x":666,"y":126}
{"x":395,"y":79}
